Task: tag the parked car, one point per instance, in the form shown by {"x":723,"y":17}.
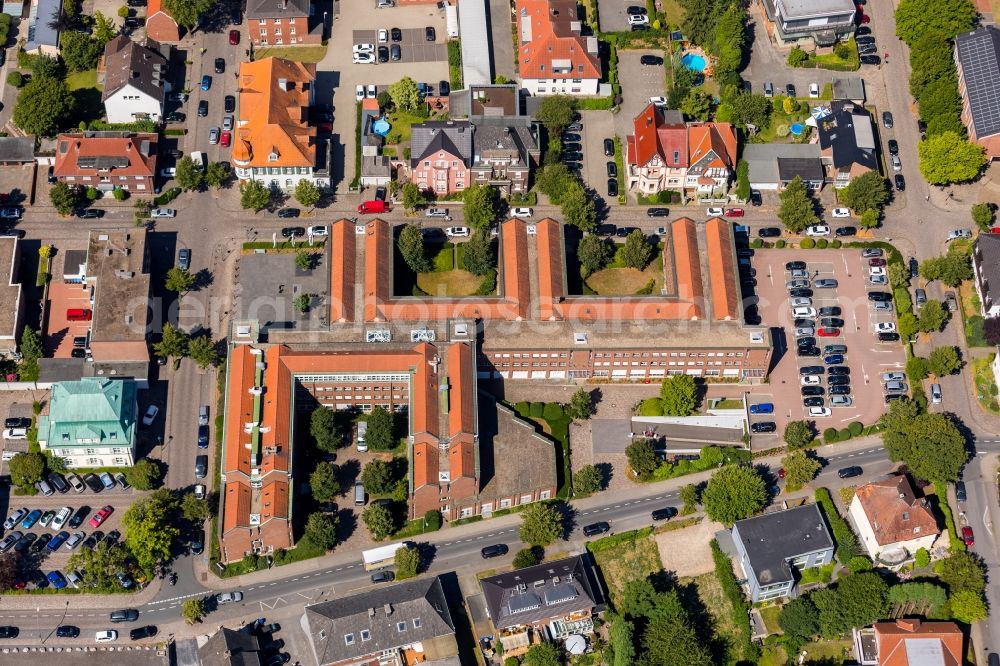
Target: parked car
{"x":101,"y":516}
{"x":596,"y":528}
{"x":496,"y":550}
{"x":163,"y":212}
{"x":850,"y":472}
{"x":769,"y":232}
{"x":762,"y":408}
{"x":384,"y":576}
{"x":818,"y":230}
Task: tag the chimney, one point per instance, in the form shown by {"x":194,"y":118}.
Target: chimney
{"x":388,"y":610}
{"x":909,"y":624}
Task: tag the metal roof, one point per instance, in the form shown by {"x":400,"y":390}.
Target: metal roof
{"x":979,"y":56}
{"x":476,"y":67}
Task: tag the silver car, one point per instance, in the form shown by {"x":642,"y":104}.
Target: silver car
{"x":213,"y":135}
{"x":841,"y":400}
{"x":893,"y":376}
{"x":826,"y":283}
{"x":227,"y":123}
{"x":797,"y":284}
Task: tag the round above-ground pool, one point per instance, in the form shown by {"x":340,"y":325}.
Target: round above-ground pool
{"x":381,"y":127}
{"x":796,"y":128}
{"x":694,"y":62}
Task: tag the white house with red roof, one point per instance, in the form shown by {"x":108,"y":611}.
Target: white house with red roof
{"x":553,"y":56}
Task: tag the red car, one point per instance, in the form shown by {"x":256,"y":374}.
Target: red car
{"x":734,"y":212}
{"x":101,"y":516}
{"x":227,"y":138}
{"x":828,"y":332}
{"x":865,"y":19}
{"x":876,"y":262}
{"x":234,"y":37}
{"x":781,"y":473}
{"x":967,"y":536}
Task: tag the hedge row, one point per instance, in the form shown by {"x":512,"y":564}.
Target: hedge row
{"x":738,"y":606}
{"x":855,"y":429}
{"x":941,"y":490}
{"x":847,"y":542}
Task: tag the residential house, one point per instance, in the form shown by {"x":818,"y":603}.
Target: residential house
{"x":977,"y":55}
{"x":711,"y":157}
{"x":274,"y":141}
{"x":891,"y":521}
{"x":810,"y":22}
{"x":656,"y":153}
{"x":135,"y":81}
{"x":43,"y":30}
{"x":549,"y":601}
{"x":441,"y":156}
{"x":376,"y":169}
{"x":282,"y":22}
{"x":11,"y":300}
{"x":553,"y":55}
{"x":394,"y":625}
{"x":160,"y":25}
{"x":986,"y":270}
{"x":910,"y":642}
{"x":504,"y":153}
{"x":228,"y":647}
{"x":91,"y":422}
{"x":847,"y":142}
{"x":107,"y":160}
{"x":771,"y":547}
{"x":771,"y":166}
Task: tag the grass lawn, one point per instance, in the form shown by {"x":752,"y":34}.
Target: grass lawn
{"x":773,"y":655}
{"x":711,"y":86}
{"x":296,"y":53}
{"x":832,"y":652}
{"x":986,"y":388}
{"x":444,"y":259}
{"x":448,"y":283}
{"x":401,"y":122}
{"x":673,"y":11}
{"x":710,"y":593}
{"x":628,"y":561}
{"x":81,"y":80}
{"x":770,"y":133}
{"x":770,"y":616}
{"x":623,"y":281}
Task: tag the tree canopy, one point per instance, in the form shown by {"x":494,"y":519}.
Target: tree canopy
{"x":411,"y":247}
{"x":944,"y":361}
{"x":799,"y":434}
{"x":734,"y":492}
{"x":637,"y":252}
{"x":79,"y":50}
{"x":306,"y":193}
{"x":930,"y":444}
{"x":151,"y":528}
{"x":407,"y":561}
{"x":379,"y":521}
{"x":797,"y":210}
{"x":949,"y":158}
{"x":26,"y":469}
{"x":173,"y":342}
{"x":321,"y":530}
{"x":541,"y":524}
{"x":555,"y":112}
{"x":378,"y":477}
{"x":587,"y":479}
{"x":43,"y":106}
{"x":594,"y":252}
{"x":381,"y":435}
{"x":323,"y":482}
{"x":800,"y":469}
{"x":916,"y":18}
{"x":866,"y":192}
{"x":254,"y":195}
{"x":642,"y":457}
{"x":481,"y":205}
{"x":188,"y":12}
{"x":581,"y":405}
{"x":145,"y":474}
{"x":578,"y":208}
{"x":324,"y":429}
{"x":951,"y":269}
{"x":679,"y":395}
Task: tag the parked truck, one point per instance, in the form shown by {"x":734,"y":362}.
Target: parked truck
{"x":373,"y":206}
{"x":383,"y":556}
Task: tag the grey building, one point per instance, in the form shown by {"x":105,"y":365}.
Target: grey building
{"x":773,"y":165}
{"x":850,"y":88}
{"x":17,"y":150}
{"x":847,"y":142}
{"x":231,"y":648}
{"x":504,"y":150}
{"x":986,"y":268}
{"x":381,"y":625}
{"x":823,"y":22}
{"x":771,"y":547}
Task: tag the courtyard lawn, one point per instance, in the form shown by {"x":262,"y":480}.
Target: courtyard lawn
{"x":296,"y":53}
{"x":401,"y":122}
{"x":672,"y":11}
{"x":448,"y":283}
{"x":623,"y":281}
{"x":81,"y":80}
{"x":718,"y":606}
{"x":628,"y":561}
{"x":770,"y":616}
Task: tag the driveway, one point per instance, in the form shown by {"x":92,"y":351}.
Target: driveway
{"x":612,"y":15}
{"x":598,"y":126}
{"x":639,"y":83}
{"x":501,"y":42}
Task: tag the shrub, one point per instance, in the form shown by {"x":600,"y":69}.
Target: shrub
{"x":830,"y":434}
{"x":847,"y":543}
{"x":521,"y":408}
{"x":511,"y":661}
{"x":738,"y":606}
{"x":856,"y":428}
{"x":757,"y":243}
{"x":835,"y":244}
{"x":553,"y":411}
{"x":922,"y":557}
{"x":536,"y":409}
{"x":822,"y":243}
{"x":15,"y":79}
{"x":167,"y":196}
{"x":807,"y":244}
{"x":780,"y":243}
{"x":843,"y":434}
{"x":859,"y":564}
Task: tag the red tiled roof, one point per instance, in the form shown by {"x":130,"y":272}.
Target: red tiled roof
{"x":687,"y":262}
{"x":550,"y":268}
{"x":891,"y":638}
{"x":552,"y":39}
{"x":722,"y":269}
{"x":894,"y":512}
{"x":462,"y":460}
{"x":343,"y":259}
{"x":461,"y":401}
{"x":425,"y":464}
{"x":137,"y":153}
{"x":719,"y":138}
{"x":516,"y":288}
{"x":652,"y":135}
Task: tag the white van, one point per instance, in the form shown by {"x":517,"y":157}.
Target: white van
{"x":436,"y":212}
{"x":359,"y":493}
{"x":362,"y":445}
{"x":936,"y":394}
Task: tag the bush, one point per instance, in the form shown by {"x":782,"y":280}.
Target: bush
{"x":738,"y":606}
{"x":15,"y":79}
{"x":780,"y":243}
{"x":553,"y":411}
{"x":822,"y":243}
{"x":511,"y":661}
{"x":830,"y":435}
{"x":807,"y":244}
{"x":847,"y":543}
{"x":757,"y":243}
{"x":522,"y":408}
{"x":167,"y":196}
{"x":526,"y":557}
{"x":922,"y":558}
{"x":856,"y":428}
{"x":859,"y":564}
{"x":536,"y":409}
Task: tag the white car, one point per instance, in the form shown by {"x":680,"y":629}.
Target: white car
{"x":658,"y":101}
{"x":15,"y":433}
{"x":318,"y":230}
{"x":638,"y":19}
{"x":61,"y":518}
{"x":817,"y":412}
{"x":228,"y":597}
{"x":168,"y":172}
{"x":163,"y":212}
{"x":521,"y":212}
{"x":372,"y":91}
{"x":818,"y":230}
{"x":897,"y":166}
{"x":885,"y":327}
{"x":841,"y":400}
{"x":893,"y":376}
{"x":383,"y":35}
{"x":359,"y":92}
{"x":876,"y":270}
{"x":714,"y":212}
{"x":810,"y":380}
{"x":841,"y":212}
{"x":199,"y":491}
{"x":364,"y":48}
{"x":364,"y":58}
{"x":814,"y":90}
{"x":456,"y":231}
{"x":801,"y":302}
{"x":106,"y":636}
{"x":958,"y":233}
{"x":14,"y":519}
{"x":803,"y":311}
{"x":150,"y":415}
{"x":805,"y":332}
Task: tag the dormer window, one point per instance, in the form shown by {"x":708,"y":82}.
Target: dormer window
{"x":272,"y":156}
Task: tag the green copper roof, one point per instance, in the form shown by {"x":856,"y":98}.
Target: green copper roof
{"x":92,"y":411}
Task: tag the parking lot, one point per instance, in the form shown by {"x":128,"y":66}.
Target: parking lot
{"x":59,"y":332}
{"x":639,"y":83}
{"x":414,"y":46}
{"x":598,"y":126}
{"x":865,"y":357}
{"x":613,"y":16}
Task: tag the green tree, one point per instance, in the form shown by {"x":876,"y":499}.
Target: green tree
{"x":799,"y":618}
{"x":194,"y":509}
{"x":189,"y":175}
{"x":983,"y":215}
{"x":941,"y":104}
{"x":930,"y":444}
{"x":930,"y":60}
{"x":64,"y":198}
{"x":173,"y":342}
{"x":193,"y":610}
{"x":412,"y":196}
{"x":944,"y":361}
{"x":587,"y":480}
{"x":323,"y":482}
{"x":917,"y":368}
{"x":908,"y":325}
{"x":43,"y":106}
{"x":581,"y":405}
{"x":15,"y":79}
{"x":202,"y":350}
{"x":699,"y":20}
{"x":79,"y":50}
{"x":679,"y":394}
{"x":555,"y":112}
{"x":104,"y":29}
{"x":378,"y":478}
{"x":405,"y":94}
{"x":594,"y":253}
{"x":578,"y":208}
{"x":541,"y":524}
{"x":858,"y":600}
{"x":742,"y":180}
{"x":481,"y":205}
{"x":734,"y":492}
{"x":800,"y":469}
{"x":321,"y":529}
{"x":31,"y":351}
{"x":637,"y":252}
{"x":179,"y":280}
{"x":542,"y":654}
{"x":967,"y":606}
{"x":216,"y":174}
{"x":480,"y":255}
{"x":689,"y":496}
{"x":750,"y":109}
{"x":948,"y":158}
{"x":799,"y":434}
{"x":670,"y":639}
{"x":26,"y":469}
{"x":869,"y":219}
{"x":145,"y":474}
{"x":962,"y":571}
{"x":379,"y":521}
{"x":151,"y":528}
{"x":697,"y":104}
{"x":304,"y":260}
{"x":915,"y":18}
{"x":641,"y":457}
{"x":323,"y":428}
{"x":797,"y":210}
{"x":254,"y":195}
{"x":99,"y":565}
{"x":411,"y":247}
{"x":932,"y":316}
{"x":525,"y":557}
{"x":951,"y":269}
{"x":899,"y":275}
{"x":306,"y":193}
{"x":866,"y":192}
{"x":554,"y":179}
{"x":381,"y":435}
{"x":188,"y":13}
{"x":407,"y":561}
{"x":797,"y":57}
{"x":921,"y":558}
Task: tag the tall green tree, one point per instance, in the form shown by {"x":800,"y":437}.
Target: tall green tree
{"x":323,"y":482}
{"x":411,"y":247}
{"x":751,"y":109}
{"x":145,"y":474}
{"x":407,"y":561}
{"x":173,"y":342}
{"x":542,"y":654}
{"x":962,"y":571}
{"x":306,"y":193}
{"x":254,"y":195}
{"x":26,"y":469}
{"x":44,"y":106}
{"x":857,"y":601}
{"x":797,"y":209}
{"x":679,"y":394}
{"x":983,"y":215}
{"x":188,"y":174}
{"x":216,"y":174}
{"x":799,"y":434}
{"x":594,"y":253}
{"x":405,"y":94}
{"x":541,"y":525}
{"x":194,"y":509}
{"x":31,"y":351}
{"x":689,"y":496}
{"x":554,"y":179}
{"x":481,"y":205}
{"x":800,"y":469}
{"x":324,"y":429}
{"x":915,"y":18}
{"x":581,"y":405}
{"x":321,"y":530}
{"x":151,"y":528}
{"x":193,"y":610}
{"x":202,"y":350}
{"x":378,"y":478}
{"x":637,"y":252}
{"x":79,"y":50}
{"x":699,"y":20}
{"x":930,"y":444}
{"x":734,"y":492}
{"x":866,"y":192}
{"x":799,"y":618}
{"x":944,"y":361}
{"x":64,"y":198}
{"x":951,"y":269}
{"x":555,"y":112}
{"x":641,"y":457}
{"x":179,"y":280}
{"x":412,"y":196}
{"x":948,"y":158}
{"x":99,"y":565}
{"x":587,"y":479}
{"x":188,"y":13}
{"x":670,"y":639}
{"x":932,"y":316}
{"x":378,"y":520}
{"x":104,"y":29}
{"x":578,"y":208}
{"x":697,"y":104}
{"x":480,"y":255}
{"x":381,"y":435}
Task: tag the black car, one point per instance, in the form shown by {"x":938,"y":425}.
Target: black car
{"x":90,"y":213}
{"x":848,"y":472}
{"x":93,"y":483}
{"x":840,"y":390}
{"x":574,"y":127}
{"x":605,"y":230}
{"x":612,"y":169}
{"x":609,"y":147}
{"x":496,"y":550}
{"x":865,"y":39}
{"x":888,"y":337}
{"x":840,"y":370}
{"x":960,"y":494}
{"x":863,"y":30}
{"x":396,"y":35}
{"x":43,"y":540}
{"x":879,"y":296}
{"x":651,"y":60}
{"x":383,"y":577}
{"x":795,"y":266}
{"x":838,"y":380}
{"x":802,"y":292}
{"x":832,"y":311}
{"x":623,"y":232}
{"x":572,"y":156}
{"x":887,"y":119}
{"x":846,"y":231}
{"x":200,"y":467}
{"x":640,"y":27}
{"x":811,"y":390}
{"x":112,"y":537}
{"x":383,"y":53}
{"x":288,"y":212}
{"x":444,"y":88}
{"x":808,"y":351}
{"x":570,"y":136}
{"x":636,"y":10}
{"x":922,"y":128}
{"x":91,"y":541}
{"x":812,"y":370}
{"x":893,"y":147}
{"x":430,"y":34}
{"x":666,"y":513}
{"x":572,"y":147}
{"x":612,"y":187}
{"x":176,"y":117}
{"x":78,"y":353}
{"x":813,"y":402}
{"x":834,"y":322}
{"x":8,"y":631}
{"x":17,"y":422}
{"x":25,"y":542}
{"x":755,"y":198}
{"x":899,"y":182}
{"x":894,"y":396}
{"x":198,"y":542}
{"x":142,"y":632}
{"x":867,"y":49}
{"x":870,"y":60}
{"x":657,"y":212}
{"x":124,"y":615}
{"x":288,"y":232}
{"x":769,"y":232}
{"x":596,"y":528}
{"x":395,"y":53}
{"x":203,"y":108}
{"x":229,"y":103}
{"x":77,"y":518}
{"x":203,"y":437}
{"x":790,"y":90}
{"x":805,"y":342}
{"x":67,"y":631}
{"x":765,"y":426}
{"x":914,"y":267}
{"x":220,"y":65}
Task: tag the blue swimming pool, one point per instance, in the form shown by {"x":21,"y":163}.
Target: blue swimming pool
{"x":694,"y":62}
{"x":797,"y":128}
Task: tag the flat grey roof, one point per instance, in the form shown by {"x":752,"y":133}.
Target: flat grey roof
{"x":40,"y":33}
{"x":762,"y":158}
{"x":771,"y":540}
{"x":17,"y":149}
{"x":799,"y":9}
{"x":474,"y":28}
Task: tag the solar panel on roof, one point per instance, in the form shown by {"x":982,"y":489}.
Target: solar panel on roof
{"x":559,"y":594}
{"x":520,"y":603}
{"x":981,"y":71}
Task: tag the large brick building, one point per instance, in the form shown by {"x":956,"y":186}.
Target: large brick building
{"x":282,"y":23}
